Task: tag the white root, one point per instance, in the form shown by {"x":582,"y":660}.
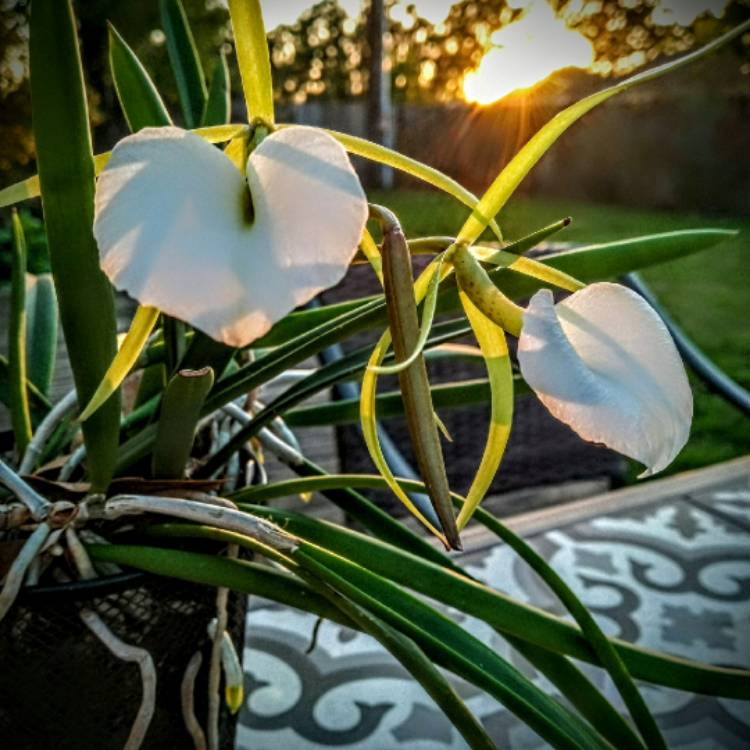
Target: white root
{"x":118,"y":648}
{"x":187,"y":692}
{"x":282,"y":450}
{"x":214,"y":674}
{"x":145,"y":663}
{"x":80,"y":556}
{"x":73,"y":462}
{"x":17,"y":571}
{"x":38,"y":506}
{"x":225,"y":518}
{"x":65,"y":406}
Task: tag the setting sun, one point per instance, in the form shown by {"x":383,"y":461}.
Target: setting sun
{"x":526,"y":52}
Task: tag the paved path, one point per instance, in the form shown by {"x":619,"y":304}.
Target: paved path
{"x":665,"y":564}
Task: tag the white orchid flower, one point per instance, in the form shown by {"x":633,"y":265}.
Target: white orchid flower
{"x":603,"y":362}
{"x":181,"y":229}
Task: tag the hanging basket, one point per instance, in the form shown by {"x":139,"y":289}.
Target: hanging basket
{"x":60,"y":687}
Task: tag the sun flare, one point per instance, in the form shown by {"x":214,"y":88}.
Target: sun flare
{"x":526,"y":52}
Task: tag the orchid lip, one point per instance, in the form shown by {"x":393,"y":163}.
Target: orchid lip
{"x":603,"y":362}
{"x":171,"y":222}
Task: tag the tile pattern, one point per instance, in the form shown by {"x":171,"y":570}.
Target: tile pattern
{"x":674,"y":576}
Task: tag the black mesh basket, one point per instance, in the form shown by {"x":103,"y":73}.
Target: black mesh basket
{"x":61,"y":688}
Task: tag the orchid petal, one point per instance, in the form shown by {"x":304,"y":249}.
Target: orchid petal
{"x":603,"y":362}
{"x":176,"y":230}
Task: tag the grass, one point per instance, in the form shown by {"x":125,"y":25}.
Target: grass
{"x":708,"y":294}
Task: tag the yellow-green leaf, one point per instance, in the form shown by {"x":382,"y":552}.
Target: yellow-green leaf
{"x":491,"y":340}
{"x":140,"y":329}
{"x":252,"y":56}
{"x":372,"y":254}
{"x":375,"y":152}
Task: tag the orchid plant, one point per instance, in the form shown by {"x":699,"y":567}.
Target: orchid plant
{"x":222,"y":232}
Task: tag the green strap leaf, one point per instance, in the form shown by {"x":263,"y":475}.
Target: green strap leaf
{"x":211,"y":570}
{"x":422,"y":669}
{"x":20,"y":412}
{"x":38,"y":402}
{"x":581,"y":693}
{"x":140,"y":101}
{"x":185,"y":62}
{"x":372,"y":253}
{"x":444,"y":396}
{"x":41,"y":330}
{"x":66,"y":172}
{"x":589,"y":263}
{"x":452,"y":647}
{"x":218,"y":108}
{"x":529,"y":241}
{"x":401,"y":563}
{"x":140,"y":329}
{"x":606,"y":653}
{"x":524,"y":161}
{"x":180,"y":412}
{"x":252,"y":55}
{"x":491,"y":340}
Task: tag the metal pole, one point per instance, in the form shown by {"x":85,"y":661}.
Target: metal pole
{"x":379,"y":105}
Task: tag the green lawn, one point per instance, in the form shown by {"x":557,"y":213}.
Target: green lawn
{"x":708,"y":293}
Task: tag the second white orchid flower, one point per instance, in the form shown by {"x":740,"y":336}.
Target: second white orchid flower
{"x":602,"y":362}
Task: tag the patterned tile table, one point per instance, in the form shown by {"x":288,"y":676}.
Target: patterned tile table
{"x":672,"y":573}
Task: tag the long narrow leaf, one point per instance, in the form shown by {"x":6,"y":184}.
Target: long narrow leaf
{"x":140,"y":101}
{"x":38,"y":402}
{"x":66,"y":171}
{"x":524,"y":161}
{"x":375,"y":152}
{"x":20,"y":412}
{"x":444,"y":396}
{"x":581,"y":693}
{"x":218,"y":108}
{"x":577,"y":688}
{"x":140,"y":329}
{"x":454,"y":647}
{"x":491,"y":340}
{"x":588,"y":263}
{"x":186,"y":65}
{"x":252,"y":56}
{"x":41,"y":330}
{"x":428,"y":576}
{"x":211,"y":570}
{"x":607,"y":655}
{"x":180,"y":411}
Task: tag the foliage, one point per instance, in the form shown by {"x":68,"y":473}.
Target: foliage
{"x":197,"y":412}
